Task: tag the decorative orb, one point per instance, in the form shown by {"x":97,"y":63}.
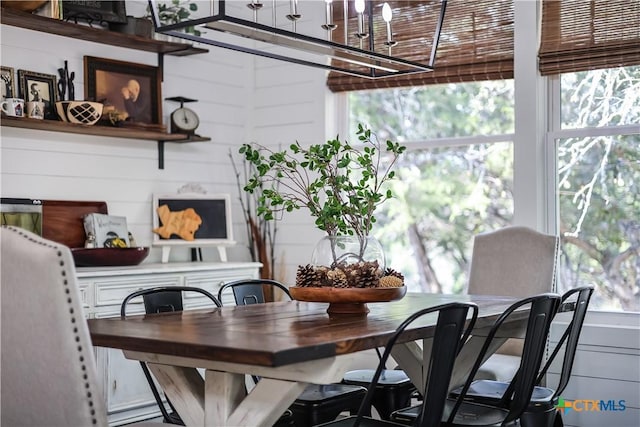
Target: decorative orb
{"x":79,"y":112}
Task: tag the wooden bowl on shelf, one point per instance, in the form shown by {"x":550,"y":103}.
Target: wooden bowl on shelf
{"x":352,"y":301}
{"x":108,"y":257}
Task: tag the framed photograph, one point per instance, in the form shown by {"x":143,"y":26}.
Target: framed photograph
{"x":100,"y":11}
{"x":8,"y":83}
{"x":23,"y":213}
{"x":192,"y":219}
{"x":133,"y":90}
{"x":39,"y":87}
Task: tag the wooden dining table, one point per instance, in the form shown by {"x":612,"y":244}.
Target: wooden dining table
{"x":288,"y":344}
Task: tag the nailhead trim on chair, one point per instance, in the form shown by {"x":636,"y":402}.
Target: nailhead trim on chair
{"x":85,"y":377}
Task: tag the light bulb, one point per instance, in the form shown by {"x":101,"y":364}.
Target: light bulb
{"x":359,"y":6}
{"x":386,"y":12}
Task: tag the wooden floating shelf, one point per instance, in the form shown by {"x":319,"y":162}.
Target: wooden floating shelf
{"x":68,"y":29}
{"x":114,"y":132}
{"x":82,"y":32}
{"x":108,"y":131}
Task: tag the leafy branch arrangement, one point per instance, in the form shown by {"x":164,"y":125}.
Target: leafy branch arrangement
{"x":340,"y":185}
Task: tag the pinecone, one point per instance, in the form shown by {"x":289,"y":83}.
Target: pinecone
{"x":391,"y":282}
{"x":394,"y":273}
{"x":337,"y":278}
{"x":369,"y":274}
{"x":307,"y":276}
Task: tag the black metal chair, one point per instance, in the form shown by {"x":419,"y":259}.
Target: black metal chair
{"x":318,"y":403}
{"x":159,"y":300}
{"x":460,"y":412}
{"x":448,"y":338}
{"x":541,"y":411}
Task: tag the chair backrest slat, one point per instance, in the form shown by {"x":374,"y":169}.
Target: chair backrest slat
{"x":571,"y":334}
{"x":164,"y":298}
{"x":251,"y":291}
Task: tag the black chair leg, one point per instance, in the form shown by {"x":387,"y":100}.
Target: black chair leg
{"x":388,"y":402}
{"x":170,"y":418}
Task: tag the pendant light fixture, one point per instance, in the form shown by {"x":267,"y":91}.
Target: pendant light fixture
{"x":356,"y":37}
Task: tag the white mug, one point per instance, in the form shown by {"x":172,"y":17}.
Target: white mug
{"x":13,"y":107}
{"x":35,"y":110}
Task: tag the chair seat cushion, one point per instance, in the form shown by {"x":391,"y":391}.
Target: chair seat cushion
{"x":468,"y":414}
{"x":388,"y":377}
{"x":499,"y":367}
{"x":365,"y":422}
{"x":492,"y":391}
{"x":318,"y":393}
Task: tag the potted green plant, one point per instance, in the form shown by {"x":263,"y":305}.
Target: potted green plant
{"x":341,"y":186}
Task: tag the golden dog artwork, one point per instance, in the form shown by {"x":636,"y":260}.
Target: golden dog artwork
{"x":183,"y":223}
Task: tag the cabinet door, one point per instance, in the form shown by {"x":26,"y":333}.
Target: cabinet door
{"x":127,"y":392}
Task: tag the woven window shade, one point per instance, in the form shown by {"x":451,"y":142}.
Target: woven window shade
{"x":580,"y":35}
{"x":476,"y":44}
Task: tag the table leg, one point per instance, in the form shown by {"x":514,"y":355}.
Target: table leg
{"x":265,"y":403}
{"x":185,"y":388}
{"x":223,"y":393}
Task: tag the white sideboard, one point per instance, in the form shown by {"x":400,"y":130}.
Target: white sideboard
{"x":103,"y":289}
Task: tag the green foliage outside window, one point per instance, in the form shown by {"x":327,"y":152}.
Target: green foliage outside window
{"x":446,"y":195}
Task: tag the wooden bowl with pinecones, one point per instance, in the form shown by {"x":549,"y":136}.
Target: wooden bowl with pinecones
{"x":348,"y":288}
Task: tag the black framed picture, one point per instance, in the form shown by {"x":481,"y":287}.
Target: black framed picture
{"x":188,"y":218}
{"x":99,"y":11}
{"x":39,"y":87}
{"x":8,"y":82}
{"x":132,"y":91}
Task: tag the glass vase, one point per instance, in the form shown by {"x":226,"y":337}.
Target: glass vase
{"x":333,"y":251}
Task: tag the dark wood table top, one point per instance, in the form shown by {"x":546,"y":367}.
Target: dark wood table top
{"x":278,"y":333}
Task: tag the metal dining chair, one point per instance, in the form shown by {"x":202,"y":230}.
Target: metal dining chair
{"x":451,"y":332}
{"x":460,"y":412}
{"x":541,"y":411}
{"x":159,"y":300}
{"x":318,"y":403}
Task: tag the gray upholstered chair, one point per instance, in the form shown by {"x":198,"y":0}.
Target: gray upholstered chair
{"x":513,"y":261}
{"x":48,"y":366}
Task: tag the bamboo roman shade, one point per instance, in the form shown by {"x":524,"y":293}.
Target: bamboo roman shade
{"x":476,"y":44}
{"x":579,"y":35}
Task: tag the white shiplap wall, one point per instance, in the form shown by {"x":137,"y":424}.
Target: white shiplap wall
{"x":124,"y":172}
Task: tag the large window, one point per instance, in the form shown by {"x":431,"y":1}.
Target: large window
{"x":598,"y":184}
{"x":455,"y":181}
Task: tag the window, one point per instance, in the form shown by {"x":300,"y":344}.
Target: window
{"x":455,"y":180}
{"x":597,"y":150}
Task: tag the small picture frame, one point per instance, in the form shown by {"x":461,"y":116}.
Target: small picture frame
{"x":202,"y":220}
{"x":39,"y":87}
{"x":211,"y":226}
{"x":8,"y":82}
{"x":98,"y":11}
{"x":132,"y":90}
